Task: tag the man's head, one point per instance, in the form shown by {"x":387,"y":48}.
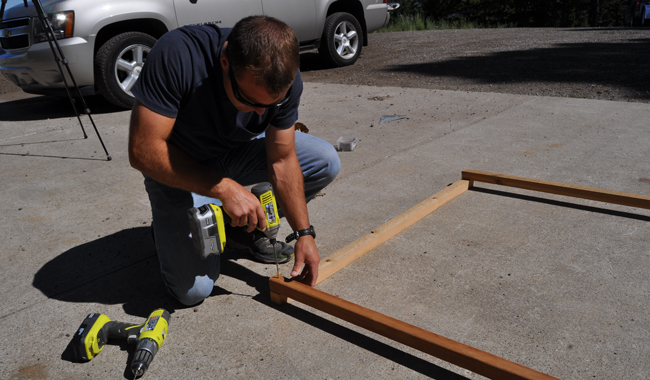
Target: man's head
{"x":266,"y":49}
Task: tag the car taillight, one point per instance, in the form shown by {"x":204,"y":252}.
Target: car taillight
{"x":638,"y":4}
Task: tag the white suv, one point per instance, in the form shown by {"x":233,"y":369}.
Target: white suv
{"x":107,"y":42}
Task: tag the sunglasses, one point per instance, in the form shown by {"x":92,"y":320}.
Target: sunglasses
{"x":235,"y":92}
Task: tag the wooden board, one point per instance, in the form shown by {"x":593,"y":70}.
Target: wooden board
{"x":457,"y":353}
{"x":341,"y":258}
{"x":446,"y":349}
{"x":616,"y":197}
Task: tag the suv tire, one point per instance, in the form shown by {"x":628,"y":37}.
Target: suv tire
{"x":628,"y":19}
{"x":118,"y":63}
{"x":342,"y":39}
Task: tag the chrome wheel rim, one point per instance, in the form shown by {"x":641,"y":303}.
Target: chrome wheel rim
{"x":346,"y":40}
{"x":129,"y":65}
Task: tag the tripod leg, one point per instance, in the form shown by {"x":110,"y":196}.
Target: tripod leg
{"x":60,"y":58}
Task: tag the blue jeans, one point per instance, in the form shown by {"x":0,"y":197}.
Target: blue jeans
{"x":187,"y":277}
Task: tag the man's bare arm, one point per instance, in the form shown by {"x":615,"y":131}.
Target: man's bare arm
{"x":152,"y":154}
{"x":286,"y":176}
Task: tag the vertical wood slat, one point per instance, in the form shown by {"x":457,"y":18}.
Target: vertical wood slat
{"x":341,"y":258}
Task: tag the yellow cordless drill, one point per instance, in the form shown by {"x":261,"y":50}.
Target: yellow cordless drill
{"x":208,"y":230}
{"x":208,"y":227}
{"x":97,"y":329}
{"x":264,"y":192}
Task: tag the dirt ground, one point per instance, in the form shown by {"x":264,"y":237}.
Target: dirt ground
{"x":604,"y":63}
{"x":6,"y":86}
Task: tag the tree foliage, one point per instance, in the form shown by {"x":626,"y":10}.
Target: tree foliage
{"x":520,"y":13}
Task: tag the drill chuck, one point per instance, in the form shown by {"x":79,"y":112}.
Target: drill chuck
{"x":147,"y":349}
{"x":151,"y":339}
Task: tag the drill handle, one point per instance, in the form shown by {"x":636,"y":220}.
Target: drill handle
{"x":123,"y":331}
{"x":96,"y":330}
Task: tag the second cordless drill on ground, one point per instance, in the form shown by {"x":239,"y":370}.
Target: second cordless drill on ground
{"x":96,"y":330}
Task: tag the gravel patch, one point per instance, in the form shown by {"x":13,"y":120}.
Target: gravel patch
{"x":6,"y":86}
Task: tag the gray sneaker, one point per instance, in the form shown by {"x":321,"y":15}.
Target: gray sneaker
{"x":258,"y":245}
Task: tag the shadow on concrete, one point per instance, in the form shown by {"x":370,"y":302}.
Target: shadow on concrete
{"x":32,"y":148}
{"x":372,"y":345}
{"x":50,"y":156}
{"x":622,"y":214}
{"x":312,"y":61}
{"x":121,"y":268}
{"x":261,"y":284}
{"x":51,"y":107}
{"x":621,"y":65}
{"x":124,"y":268}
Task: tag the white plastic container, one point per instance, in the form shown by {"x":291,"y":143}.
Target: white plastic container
{"x":346,"y":143}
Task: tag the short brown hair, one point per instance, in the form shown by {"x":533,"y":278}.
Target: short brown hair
{"x":268,"y":48}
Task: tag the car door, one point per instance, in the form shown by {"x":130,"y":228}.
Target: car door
{"x":224,"y":13}
{"x":300,"y":15}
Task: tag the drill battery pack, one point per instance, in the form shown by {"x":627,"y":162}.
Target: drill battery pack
{"x":208,"y":229}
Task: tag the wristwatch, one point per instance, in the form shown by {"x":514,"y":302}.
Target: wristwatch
{"x":296,"y":234}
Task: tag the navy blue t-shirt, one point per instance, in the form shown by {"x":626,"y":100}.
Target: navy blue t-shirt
{"x":182,"y":79}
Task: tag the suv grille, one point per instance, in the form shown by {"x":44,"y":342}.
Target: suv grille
{"x":14,"y":23}
{"x":14,"y":34}
{"x":17,"y":42}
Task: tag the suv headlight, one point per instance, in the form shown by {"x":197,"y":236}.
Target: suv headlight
{"x":62,"y":25}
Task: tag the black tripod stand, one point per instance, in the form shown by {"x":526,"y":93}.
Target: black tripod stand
{"x":60,"y":58}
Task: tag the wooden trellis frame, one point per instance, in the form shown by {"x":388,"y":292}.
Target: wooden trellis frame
{"x":446,"y":349}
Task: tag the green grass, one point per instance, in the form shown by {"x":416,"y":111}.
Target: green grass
{"x":404,"y":23}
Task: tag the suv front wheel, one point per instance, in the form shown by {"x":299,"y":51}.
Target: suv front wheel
{"x":118,"y":63}
{"x":342,"y":39}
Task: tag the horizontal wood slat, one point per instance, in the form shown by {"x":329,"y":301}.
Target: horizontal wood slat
{"x":616,"y":197}
{"x":457,"y":353}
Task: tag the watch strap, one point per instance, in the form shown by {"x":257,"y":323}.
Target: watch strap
{"x":297,"y":234}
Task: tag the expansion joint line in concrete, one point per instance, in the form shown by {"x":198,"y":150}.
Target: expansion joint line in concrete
{"x":446,"y":349}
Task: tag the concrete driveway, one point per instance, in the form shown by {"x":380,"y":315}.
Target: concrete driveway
{"x":556,"y":284}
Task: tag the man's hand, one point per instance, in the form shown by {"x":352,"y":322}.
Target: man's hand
{"x":242,"y":206}
{"x":307,"y":254}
